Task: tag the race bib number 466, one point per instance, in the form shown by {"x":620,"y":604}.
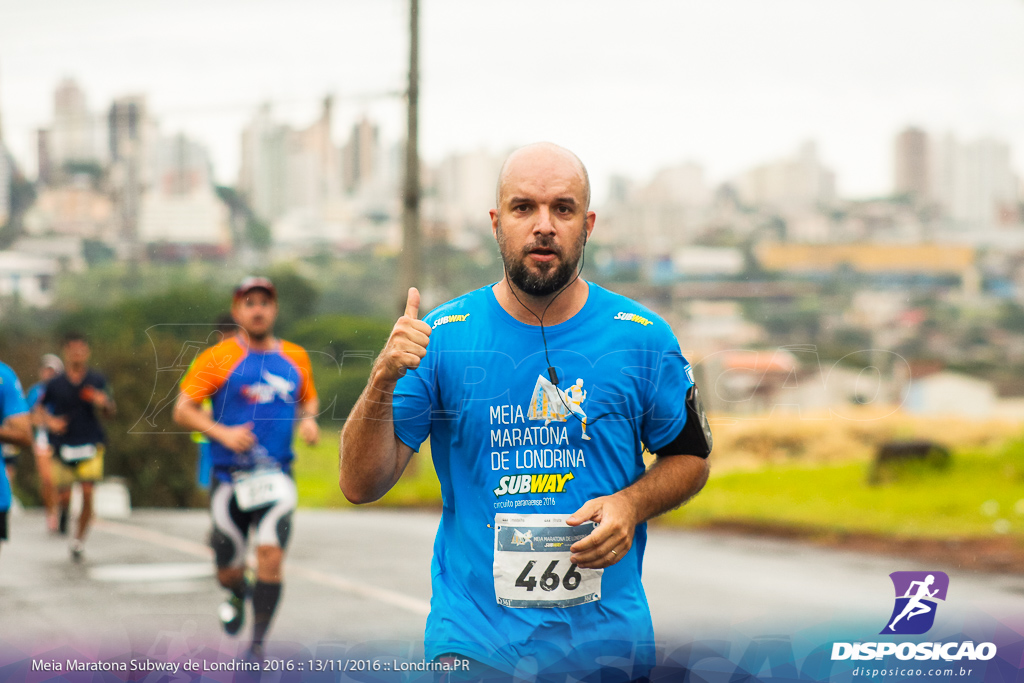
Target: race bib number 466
{"x":531,"y":562}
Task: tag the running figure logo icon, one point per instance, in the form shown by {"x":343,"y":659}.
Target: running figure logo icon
{"x":519,"y":538}
{"x":916,"y":596}
{"x":550,"y":403}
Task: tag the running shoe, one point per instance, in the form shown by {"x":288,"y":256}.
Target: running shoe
{"x":76,"y":551}
{"x":232,"y":614}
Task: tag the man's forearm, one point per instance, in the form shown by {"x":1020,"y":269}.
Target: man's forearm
{"x":17,"y":431}
{"x":370,"y":456}
{"x":667,"y":484}
{"x":370,"y":459}
{"x":191,"y":416}
{"x":310,"y":408}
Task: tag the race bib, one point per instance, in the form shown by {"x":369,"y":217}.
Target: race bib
{"x":71,"y":454}
{"x":260,"y":488}
{"x":531,"y":562}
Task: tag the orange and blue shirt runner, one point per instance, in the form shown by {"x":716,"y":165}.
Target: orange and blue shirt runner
{"x":246,"y":385}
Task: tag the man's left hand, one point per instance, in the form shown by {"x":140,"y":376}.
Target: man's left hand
{"x":309,"y":430}
{"x":99,"y":399}
{"x":611,"y":540}
{"x":102,"y":401}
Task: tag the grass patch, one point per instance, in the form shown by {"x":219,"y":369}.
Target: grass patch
{"x":316,"y":476}
{"x":979,"y":494}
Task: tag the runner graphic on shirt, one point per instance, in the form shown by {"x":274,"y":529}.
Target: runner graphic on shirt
{"x":551,"y":404}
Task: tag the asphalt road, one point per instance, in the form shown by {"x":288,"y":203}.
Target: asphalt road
{"x":357,"y":577}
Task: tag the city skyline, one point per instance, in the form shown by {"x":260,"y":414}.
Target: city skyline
{"x":662,"y":84}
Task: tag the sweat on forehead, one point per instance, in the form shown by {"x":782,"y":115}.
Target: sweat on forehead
{"x":548,"y":150}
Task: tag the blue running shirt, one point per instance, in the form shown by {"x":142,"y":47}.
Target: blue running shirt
{"x":11,"y":403}
{"x":506,"y":441}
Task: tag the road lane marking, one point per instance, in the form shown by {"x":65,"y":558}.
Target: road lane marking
{"x":362,"y":590}
{"x":157,"y":571}
{"x":154,"y":537}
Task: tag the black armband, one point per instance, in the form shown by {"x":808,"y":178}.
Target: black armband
{"x":695,"y":436}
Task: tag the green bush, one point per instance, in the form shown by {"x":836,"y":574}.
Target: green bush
{"x":342,"y":349}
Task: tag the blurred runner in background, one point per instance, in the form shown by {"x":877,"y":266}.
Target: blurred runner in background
{"x":227,"y":327}
{"x":49,"y":367}
{"x":262,"y":389}
{"x":74,"y":401}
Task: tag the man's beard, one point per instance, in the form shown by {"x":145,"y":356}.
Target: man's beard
{"x":258,"y":335}
{"x":546,"y":281}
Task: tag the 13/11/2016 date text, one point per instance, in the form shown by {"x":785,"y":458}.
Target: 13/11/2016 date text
{"x":364,"y":665}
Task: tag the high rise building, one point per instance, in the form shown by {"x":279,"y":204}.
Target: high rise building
{"x":74,"y":136}
{"x":261,"y":178}
{"x":654,"y":219}
{"x":5,"y":186}
{"x":129,"y":127}
{"x":974,"y":183}
{"x":313,"y":163}
{"x":291,"y":177}
{"x":5,"y":180}
{"x":911,"y":165}
{"x":181,"y":206}
{"x":181,"y":166}
{"x":465,"y":186}
{"x":44,"y":161}
{"x":683,"y":184}
{"x":797,"y":183}
{"x":131,"y":135}
{"x":1,"y":127}
{"x":360,"y":156}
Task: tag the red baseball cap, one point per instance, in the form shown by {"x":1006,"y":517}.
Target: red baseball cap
{"x":255,"y":282}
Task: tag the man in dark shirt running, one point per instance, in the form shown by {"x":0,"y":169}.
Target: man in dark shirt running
{"x":74,"y":400}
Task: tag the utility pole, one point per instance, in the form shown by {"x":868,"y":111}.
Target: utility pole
{"x":411,"y":261}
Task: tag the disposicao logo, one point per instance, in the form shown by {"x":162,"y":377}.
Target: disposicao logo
{"x":916,"y":596}
{"x":913,"y":613}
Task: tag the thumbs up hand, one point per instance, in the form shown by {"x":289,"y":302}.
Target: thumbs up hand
{"x":412,"y":304}
{"x":407,"y":344}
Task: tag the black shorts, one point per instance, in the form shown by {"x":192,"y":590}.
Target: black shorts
{"x":3,"y":525}
{"x":271,"y":524}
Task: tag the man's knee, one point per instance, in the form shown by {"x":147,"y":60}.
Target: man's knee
{"x":229,"y":577}
{"x":269,"y":559}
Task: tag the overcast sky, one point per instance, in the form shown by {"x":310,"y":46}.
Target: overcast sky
{"x":630,"y":87}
